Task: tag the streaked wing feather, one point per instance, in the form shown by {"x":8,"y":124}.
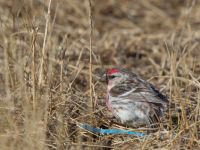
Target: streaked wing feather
{"x":140,"y":91}
{"x":120,"y":89}
{"x":158,"y":94}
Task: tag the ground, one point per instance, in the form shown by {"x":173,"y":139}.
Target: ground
{"x":48,"y":80}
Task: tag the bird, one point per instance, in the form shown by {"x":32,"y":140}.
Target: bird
{"x":132,"y":100}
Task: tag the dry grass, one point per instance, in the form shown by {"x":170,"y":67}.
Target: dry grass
{"x":48,"y":58}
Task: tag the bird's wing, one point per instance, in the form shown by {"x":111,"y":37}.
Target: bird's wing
{"x":142,"y":91}
{"x":138,"y":90}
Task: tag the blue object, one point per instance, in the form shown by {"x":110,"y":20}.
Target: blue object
{"x":110,"y":131}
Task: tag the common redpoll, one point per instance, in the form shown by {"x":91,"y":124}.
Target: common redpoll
{"x":132,"y":100}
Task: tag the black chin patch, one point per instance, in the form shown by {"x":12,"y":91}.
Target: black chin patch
{"x":106,"y":78}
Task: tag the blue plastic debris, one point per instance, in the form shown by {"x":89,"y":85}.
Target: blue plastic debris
{"x":110,"y":131}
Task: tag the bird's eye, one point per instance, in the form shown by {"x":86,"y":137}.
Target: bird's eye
{"x":112,"y":77}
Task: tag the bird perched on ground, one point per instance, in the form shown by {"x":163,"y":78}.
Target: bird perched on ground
{"x":132,"y":100}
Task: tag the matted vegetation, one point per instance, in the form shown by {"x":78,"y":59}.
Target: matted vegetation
{"x":49,"y":51}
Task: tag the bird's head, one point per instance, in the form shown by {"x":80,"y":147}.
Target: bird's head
{"x":115,"y":76}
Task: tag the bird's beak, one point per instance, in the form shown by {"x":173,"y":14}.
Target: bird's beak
{"x":104,"y":78}
{"x":101,"y":75}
